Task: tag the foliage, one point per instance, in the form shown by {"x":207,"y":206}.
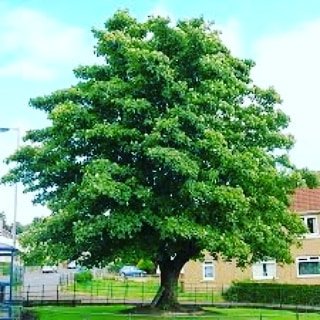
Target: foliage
{"x":35,"y":257}
{"x":163,"y":151}
{"x":310,"y":179}
{"x":5,"y":225}
{"x":146,"y":265}
{"x":8,"y":227}
{"x":292,"y":294}
{"x":83,"y":276}
{"x":115,"y":266}
{"x":4,"y":268}
{"x":20,"y":228}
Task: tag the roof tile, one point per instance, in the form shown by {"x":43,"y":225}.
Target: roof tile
{"x":305,"y":199}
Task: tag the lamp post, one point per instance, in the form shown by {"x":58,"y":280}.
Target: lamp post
{"x":15,"y":201}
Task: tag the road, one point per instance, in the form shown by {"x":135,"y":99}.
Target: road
{"x":36,"y":277}
{"x":45,"y":285}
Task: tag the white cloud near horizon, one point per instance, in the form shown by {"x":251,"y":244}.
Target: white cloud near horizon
{"x":290,"y":62}
{"x":35,"y":46}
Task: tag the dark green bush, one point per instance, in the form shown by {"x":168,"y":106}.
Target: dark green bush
{"x":83,"y":276}
{"x":115,"y":266}
{"x":146,"y":265}
{"x":273,"y":293}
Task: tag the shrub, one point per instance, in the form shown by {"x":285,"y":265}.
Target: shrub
{"x":83,"y":276}
{"x":115,"y":266}
{"x":146,"y":265}
{"x":273,"y":293}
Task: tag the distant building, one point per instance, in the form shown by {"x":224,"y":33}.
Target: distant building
{"x":304,"y":270}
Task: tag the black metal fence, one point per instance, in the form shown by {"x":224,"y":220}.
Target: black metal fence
{"x":105,"y":292}
{"x":69,"y":292}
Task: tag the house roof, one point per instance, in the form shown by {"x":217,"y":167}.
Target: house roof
{"x":305,"y":199}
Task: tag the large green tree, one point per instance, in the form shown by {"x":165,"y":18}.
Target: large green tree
{"x":163,"y":151}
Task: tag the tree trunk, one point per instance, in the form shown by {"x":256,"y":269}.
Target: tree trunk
{"x":167,"y":295}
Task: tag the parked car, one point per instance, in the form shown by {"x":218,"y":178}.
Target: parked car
{"x":49,"y":269}
{"x":131,"y":271}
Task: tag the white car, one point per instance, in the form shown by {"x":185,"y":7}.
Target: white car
{"x":49,"y":269}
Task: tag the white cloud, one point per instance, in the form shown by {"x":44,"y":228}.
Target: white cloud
{"x":231,"y":36}
{"x":35,"y":46}
{"x":27,"y":70}
{"x":290,"y":62}
{"x":162,"y":11}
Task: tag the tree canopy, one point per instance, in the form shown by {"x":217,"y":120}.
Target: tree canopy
{"x":163,"y":151}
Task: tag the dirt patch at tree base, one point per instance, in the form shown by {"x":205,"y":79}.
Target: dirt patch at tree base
{"x":178,"y":309}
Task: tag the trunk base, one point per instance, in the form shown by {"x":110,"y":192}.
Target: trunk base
{"x":181,"y":309}
{"x":166,"y":301}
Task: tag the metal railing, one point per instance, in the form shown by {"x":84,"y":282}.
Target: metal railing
{"x":127,"y":292}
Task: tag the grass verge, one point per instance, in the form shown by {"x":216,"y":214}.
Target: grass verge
{"x":120,"y":312}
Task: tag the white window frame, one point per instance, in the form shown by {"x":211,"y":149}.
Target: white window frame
{"x":266,"y":264}
{"x":315,"y":259}
{"x":204,"y":266}
{"x":305,"y":218}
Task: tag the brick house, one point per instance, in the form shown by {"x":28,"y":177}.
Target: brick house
{"x":304,"y":270}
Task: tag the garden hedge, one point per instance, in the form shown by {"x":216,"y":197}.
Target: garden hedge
{"x":272,"y":293}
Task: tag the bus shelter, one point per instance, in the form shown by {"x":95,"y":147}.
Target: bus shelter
{"x":10,"y":283}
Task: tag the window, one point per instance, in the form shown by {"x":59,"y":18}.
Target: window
{"x":311,"y":223}
{"x":308,"y":266}
{"x":208,"y":270}
{"x":264,"y":270}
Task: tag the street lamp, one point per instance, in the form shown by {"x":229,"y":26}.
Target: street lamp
{"x":15,"y":203}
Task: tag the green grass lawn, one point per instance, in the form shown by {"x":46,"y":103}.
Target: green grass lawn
{"x":143,"y":289}
{"x":118,"y":312}
{"x":119,"y":289}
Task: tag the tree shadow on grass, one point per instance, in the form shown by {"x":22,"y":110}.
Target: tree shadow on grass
{"x":181,"y":310}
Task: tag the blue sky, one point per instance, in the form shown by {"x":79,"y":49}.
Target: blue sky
{"x":41,"y":41}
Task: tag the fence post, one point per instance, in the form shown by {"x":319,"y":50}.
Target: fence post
{"x":97,"y":292}
{"x":212,"y":297}
{"x":57,"y":294}
{"x":125,"y":292}
{"x":74,"y":292}
{"x":42,"y":294}
{"x":142,"y":292}
{"x":207,"y":290}
{"x":28,"y":292}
